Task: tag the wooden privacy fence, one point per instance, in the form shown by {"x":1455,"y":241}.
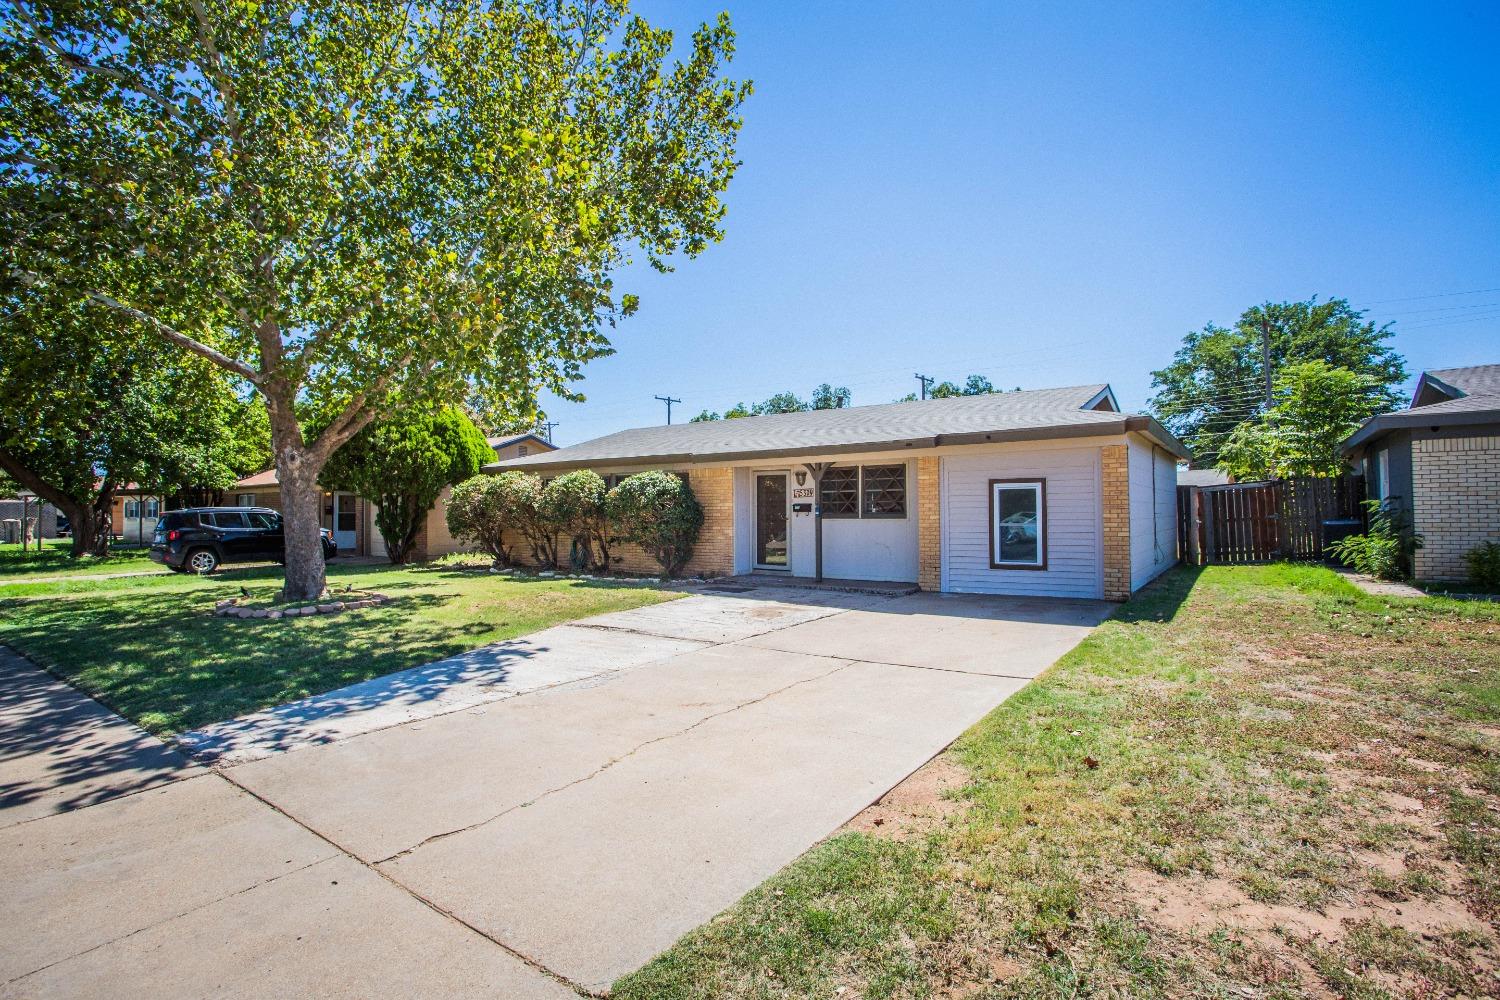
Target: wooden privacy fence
{"x":1259,"y":522}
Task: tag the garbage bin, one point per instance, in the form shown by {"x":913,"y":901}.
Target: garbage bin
{"x":1337,"y":528}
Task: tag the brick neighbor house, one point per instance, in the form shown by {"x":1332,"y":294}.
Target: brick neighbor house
{"x":352,"y":518}
{"x":1438,"y":461}
{"x":1050,"y":492}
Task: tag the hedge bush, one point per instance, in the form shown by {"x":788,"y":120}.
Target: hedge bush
{"x":475,"y":517}
{"x":1484,"y":565}
{"x":658,"y":512}
{"x":574,"y":504}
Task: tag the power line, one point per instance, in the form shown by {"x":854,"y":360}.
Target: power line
{"x":669,"y":401}
{"x":546,"y":428}
{"x":926,"y":380}
{"x":1435,"y":295}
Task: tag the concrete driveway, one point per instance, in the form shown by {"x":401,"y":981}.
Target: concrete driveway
{"x":533,"y":819}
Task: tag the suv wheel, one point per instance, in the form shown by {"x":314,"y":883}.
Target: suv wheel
{"x":201,"y":561}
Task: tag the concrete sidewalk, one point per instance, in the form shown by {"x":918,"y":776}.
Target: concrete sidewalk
{"x":540,"y":816}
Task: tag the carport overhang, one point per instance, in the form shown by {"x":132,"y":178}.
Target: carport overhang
{"x":1146,"y":426}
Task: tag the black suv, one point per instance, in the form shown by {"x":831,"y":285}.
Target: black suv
{"x":198,"y":539}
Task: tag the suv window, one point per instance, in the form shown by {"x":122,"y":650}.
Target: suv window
{"x":264,"y":521}
{"x":226,"y":519}
{"x":176,"y":519}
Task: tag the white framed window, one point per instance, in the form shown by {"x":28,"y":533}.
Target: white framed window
{"x":245,"y":500}
{"x":132,"y":509}
{"x":1018,"y":524}
{"x":1383,"y":475}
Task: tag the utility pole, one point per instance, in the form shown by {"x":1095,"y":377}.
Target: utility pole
{"x":1265,"y":356}
{"x":926,"y":380}
{"x":546,"y":428}
{"x":669,"y":401}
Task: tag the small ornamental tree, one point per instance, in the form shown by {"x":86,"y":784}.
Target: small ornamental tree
{"x":658,"y":512}
{"x":475,"y":516}
{"x":403,"y":464}
{"x":519,"y":499}
{"x":1316,"y":406}
{"x":574,"y":503}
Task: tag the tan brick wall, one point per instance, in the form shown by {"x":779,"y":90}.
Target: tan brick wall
{"x":1114,"y":493}
{"x":1455,"y":501}
{"x":929,"y":524}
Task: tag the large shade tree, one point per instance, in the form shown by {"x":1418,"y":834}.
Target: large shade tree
{"x":356,"y":205}
{"x":1217,"y":379}
{"x":89,"y":403}
{"x":1315,"y":406}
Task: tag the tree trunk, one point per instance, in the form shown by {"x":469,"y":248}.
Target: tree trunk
{"x":79,"y":513}
{"x":100,"y":525}
{"x":302,"y":519}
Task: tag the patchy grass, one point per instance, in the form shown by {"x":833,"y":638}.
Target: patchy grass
{"x":150,"y":648}
{"x":54,"y":560}
{"x":1252,"y":781}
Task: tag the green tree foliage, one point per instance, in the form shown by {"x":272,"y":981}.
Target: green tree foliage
{"x":90,"y":402}
{"x":360,"y":205}
{"x":476,"y":516}
{"x":574,"y":503}
{"x":974,"y":385}
{"x":1216,"y":381}
{"x":824,"y":397}
{"x":402,"y":465}
{"x":658,"y":512}
{"x":1315,"y":407}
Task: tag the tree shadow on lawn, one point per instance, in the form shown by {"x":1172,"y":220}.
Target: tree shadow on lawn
{"x":169,"y":665}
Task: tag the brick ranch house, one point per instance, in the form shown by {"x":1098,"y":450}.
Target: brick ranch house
{"x":352,"y":518}
{"x":1438,"y":461}
{"x":1049,"y":492}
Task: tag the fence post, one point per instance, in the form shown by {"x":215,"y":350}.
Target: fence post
{"x":1195,"y":513}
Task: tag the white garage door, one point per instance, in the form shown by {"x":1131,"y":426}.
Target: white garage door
{"x":1067,"y":524}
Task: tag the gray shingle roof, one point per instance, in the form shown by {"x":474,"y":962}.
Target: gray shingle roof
{"x":1038,"y":413}
{"x":1475,"y":380}
{"x":1477,"y":402}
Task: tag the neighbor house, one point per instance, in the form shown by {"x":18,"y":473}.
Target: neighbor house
{"x":1048,"y":492}
{"x":348,"y":516}
{"x":1438,"y":461}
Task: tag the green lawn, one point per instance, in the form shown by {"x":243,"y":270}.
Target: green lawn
{"x":1251,"y":782}
{"x":53,"y":560}
{"x":150,"y":648}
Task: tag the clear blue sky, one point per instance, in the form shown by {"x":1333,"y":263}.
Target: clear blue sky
{"x":1055,"y":194}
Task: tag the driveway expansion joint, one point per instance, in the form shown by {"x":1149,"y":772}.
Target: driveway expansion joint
{"x":845,"y":664}
{"x":419,"y":897}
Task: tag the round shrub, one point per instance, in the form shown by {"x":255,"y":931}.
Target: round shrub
{"x":658,"y":512}
{"x":475,"y":517}
{"x":574,"y":504}
{"x":520,"y":501}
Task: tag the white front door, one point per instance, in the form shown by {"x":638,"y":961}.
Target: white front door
{"x":344,"y":521}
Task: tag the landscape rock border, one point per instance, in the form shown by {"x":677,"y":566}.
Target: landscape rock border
{"x":229,"y":608}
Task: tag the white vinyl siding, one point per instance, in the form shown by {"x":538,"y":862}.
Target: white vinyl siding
{"x":1153,"y":512}
{"x":1074,"y":560}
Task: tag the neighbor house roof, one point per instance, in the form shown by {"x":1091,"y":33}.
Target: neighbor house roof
{"x":1008,"y":416}
{"x":506,"y":440}
{"x":267,"y":478}
{"x":1444,"y":397}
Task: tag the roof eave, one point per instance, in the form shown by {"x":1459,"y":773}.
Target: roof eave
{"x":1091,"y":429}
{"x":1384,"y":423}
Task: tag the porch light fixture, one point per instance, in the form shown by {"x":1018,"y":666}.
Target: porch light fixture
{"x":801,"y":477}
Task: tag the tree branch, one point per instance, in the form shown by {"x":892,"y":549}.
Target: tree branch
{"x":82,"y":65}
{"x":180,"y":339}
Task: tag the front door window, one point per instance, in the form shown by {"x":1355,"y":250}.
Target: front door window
{"x":770,"y":520}
{"x":343,"y":521}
